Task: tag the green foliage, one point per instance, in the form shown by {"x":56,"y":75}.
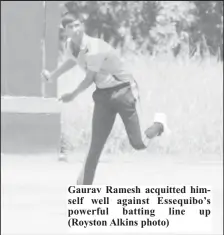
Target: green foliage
{"x":181,"y":27}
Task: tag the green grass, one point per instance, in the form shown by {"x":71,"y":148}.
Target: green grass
{"x":189,"y":92}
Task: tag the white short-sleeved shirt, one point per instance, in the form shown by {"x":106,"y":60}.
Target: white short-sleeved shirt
{"x":98,"y":56}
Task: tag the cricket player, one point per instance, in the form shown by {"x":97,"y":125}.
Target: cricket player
{"x":116,"y":92}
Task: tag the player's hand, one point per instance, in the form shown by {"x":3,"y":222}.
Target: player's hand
{"x":46,"y":75}
{"x":67,"y":97}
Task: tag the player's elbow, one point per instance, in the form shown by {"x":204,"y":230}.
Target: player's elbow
{"x":90,"y":76}
{"x":71,"y":63}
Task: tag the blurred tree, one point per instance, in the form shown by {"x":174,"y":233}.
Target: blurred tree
{"x":187,"y":27}
{"x":209,"y":25}
{"x":173,"y":21}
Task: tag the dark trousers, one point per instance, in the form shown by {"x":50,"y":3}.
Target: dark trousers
{"x":108,"y":103}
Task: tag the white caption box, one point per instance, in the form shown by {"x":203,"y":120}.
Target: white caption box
{"x":139,"y":212}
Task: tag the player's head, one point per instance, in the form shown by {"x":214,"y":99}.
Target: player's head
{"x":73,"y":25}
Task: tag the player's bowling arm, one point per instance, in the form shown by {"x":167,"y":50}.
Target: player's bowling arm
{"x":87,"y":82}
{"x":63,"y":68}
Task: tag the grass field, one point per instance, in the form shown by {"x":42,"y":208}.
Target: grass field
{"x":34,"y":188}
{"x":189,"y":92}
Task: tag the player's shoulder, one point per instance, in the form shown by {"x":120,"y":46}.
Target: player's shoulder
{"x":98,"y":45}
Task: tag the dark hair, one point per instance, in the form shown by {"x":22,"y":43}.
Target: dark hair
{"x":69,"y":18}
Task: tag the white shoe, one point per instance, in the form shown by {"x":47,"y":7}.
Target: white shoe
{"x":161,"y":118}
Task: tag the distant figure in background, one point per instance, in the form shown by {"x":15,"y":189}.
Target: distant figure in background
{"x":116,"y":93}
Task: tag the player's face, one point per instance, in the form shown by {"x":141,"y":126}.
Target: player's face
{"x":75,"y":29}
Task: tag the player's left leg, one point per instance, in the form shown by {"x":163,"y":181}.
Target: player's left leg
{"x":128,"y":108}
{"x":138,"y":138}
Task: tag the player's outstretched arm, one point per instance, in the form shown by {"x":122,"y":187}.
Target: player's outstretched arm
{"x":63,"y":68}
{"x":87,"y":82}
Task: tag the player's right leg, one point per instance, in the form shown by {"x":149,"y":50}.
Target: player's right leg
{"x":102,"y":123}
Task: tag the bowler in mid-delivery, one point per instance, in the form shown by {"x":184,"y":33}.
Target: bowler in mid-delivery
{"x":116,"y":92}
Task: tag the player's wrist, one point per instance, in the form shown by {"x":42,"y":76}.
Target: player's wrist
{"x":74,"y":94}
{"x":53,"y":76}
